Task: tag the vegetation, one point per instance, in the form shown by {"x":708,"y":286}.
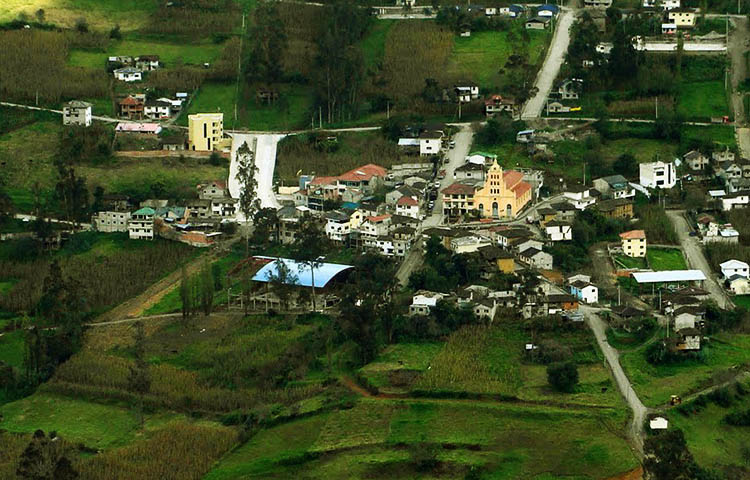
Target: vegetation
{"x":665,"y":259}
{"x":657,"y":225}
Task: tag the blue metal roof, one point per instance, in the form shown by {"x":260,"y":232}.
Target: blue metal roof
{"x":324,"y":272}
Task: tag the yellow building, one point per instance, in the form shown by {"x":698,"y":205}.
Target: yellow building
{"x":634,"y":243}
{"x":206,"y":131}
{"x":504,"y":193}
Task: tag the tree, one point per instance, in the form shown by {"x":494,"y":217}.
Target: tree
{"x":666,"y":457}
{"x":46,"y":458}
{"x":115,"y":33}
{"x":626,"y":165}
{"x":623,"y":58}
{"x":284,"y":283}
{"x":266,"y":226}
{"x":71,"y":191}
{"x":249,"y":203}
{"x":82,"y":26}
{"x":309,"y":246}
{"x":6,"y":205}
{"x":269,"y":44}
{"x":563,"y":376}
{"x":186,"y":297}
{"x":40,"y":15}
{"x":139,"y":379}
{"x":206,"y":286}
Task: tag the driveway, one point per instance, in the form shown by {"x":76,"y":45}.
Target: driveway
{"x":555,"y":57}
{"x":612,"y":357}
{"x":456,"y":157}
{"x":265,"y":160}
{"x":694,"y":253}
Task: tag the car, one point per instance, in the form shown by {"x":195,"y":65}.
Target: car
{"x":431,"y":205}
{"x":436,"y":185}
{"x":452,"y":144}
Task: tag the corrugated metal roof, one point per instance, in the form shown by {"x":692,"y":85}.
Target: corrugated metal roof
{"x":669,"y":276}
{"x":324,"y":272}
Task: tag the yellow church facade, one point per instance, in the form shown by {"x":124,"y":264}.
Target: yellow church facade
{"x":503,"y":195}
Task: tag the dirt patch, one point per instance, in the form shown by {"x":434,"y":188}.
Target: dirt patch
{"x":636,"y":474}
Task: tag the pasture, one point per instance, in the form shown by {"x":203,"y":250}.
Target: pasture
{"x":702,"y":100}
{"x":170,"y":54}
{"x":100,"y":14}
{"x":666,"y":259}
{"x":655,"y":383}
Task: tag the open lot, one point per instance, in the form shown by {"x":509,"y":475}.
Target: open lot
{"x":666,"y":259}
{"x":655,"y":383}
{"x":703,"y":100}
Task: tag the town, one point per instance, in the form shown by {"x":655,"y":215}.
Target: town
{"x":343,"y":240}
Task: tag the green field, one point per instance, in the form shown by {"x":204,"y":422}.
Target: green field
{"x":742,"y":301}
{"x":624,"y":261}
{"x":373,"y":45}
{"x":703,"y":100}
{"x":101,"y":14}
{"x":721,"y":134}
{"x":169,"y":53}
{"x":655,"y":384}
{"x":665,"y":259}
{"x":12,"y":348}
{"x":377,"y":439}
{"x":481,"y":56}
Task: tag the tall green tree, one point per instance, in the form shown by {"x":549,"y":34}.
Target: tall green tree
{"x":269,"y":42}
{"x":249,"y":203}
{"x":206,"y":281}
{"x":46,"y":458}
{"x":309,"y":246}
{"x":71,"y":192}
{"x":139,"y":379}
{"x":284,"y":283}
{"x":186,"y":297}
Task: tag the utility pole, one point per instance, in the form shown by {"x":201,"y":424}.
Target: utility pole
{"x":388,"y":110}
{"x":459,"y":108}
{"x":656,"y":106}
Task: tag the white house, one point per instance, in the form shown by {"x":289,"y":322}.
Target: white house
{"x":730,"y":268}
{"x":579,"y":196}
{"x":584,"y":291}
{"x":668,"y":28}
{"x":407,"y":207}
{"x":695,"y":160}
{"x":735,"y":200}
{"x":141,"y":224}
{"x":684,"y":320}
{"x":739,"y":285}
{"x":423,"y":301}
{"x":536,"y":258}
{"x":658,"y":175}
{"x":430,"y":142}
{"x":128,"y":74}
{"x":665,"y":4}
{"x":558,"y":231}
{"x":469,"y":244}
{"x":157,"y":109}
{"x":658,"y":423}
{"x":337,"y":226}
{"x":466,"y":93}
{"x":77,"y":112}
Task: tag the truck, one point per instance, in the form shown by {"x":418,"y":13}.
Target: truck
{"x":724,"y":119}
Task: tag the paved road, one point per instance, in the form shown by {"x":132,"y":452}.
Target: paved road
{"x":739,"y":40}
{"x":612,"y":356}
{"x":265,"y":160}
{"x":694,"y":252}
{"x":651,"y":46}
{"x":555,"y":57}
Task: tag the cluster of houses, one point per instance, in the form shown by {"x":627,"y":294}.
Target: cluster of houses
{"x":197,"y":222}
{"x":538,"y":17}
{"x":136,"y":106}
{"x":130,"y":69}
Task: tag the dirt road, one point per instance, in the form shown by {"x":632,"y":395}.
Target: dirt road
{"x":695,"y":258}
{"x":555,"y":57}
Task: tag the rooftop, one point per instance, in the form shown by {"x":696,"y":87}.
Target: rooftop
{"x":669,"y":276}
{"x":323,"y":272}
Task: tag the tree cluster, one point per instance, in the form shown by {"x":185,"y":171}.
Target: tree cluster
{"x":443,"y":270}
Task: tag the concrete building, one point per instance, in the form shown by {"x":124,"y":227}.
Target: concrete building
{"x":634,"y":243}
{"x":732,"y":268}
{"x":658,"y":175}
{"x":430,"y":143}
{"x":205,"y":131}
{"x":110,"y":221}
{"x":77,"y":112}
{"x":614,"y":186}
{"x":584,"y":291}
{"x":141,"y":224}
{"x":128,"y":74}
{"x":423,"y":301}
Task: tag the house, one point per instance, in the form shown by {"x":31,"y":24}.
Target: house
{"x":469,"y":243}
{"x":111,"y":221}
{"x":430,"y":143}
{"x":614,"y":186}
{"x":668,"y":28}
{"x":658,"y":175}
{"x":128,"y":74}
{"x":558,"y":231}
{"x":695,"y":160}
{"x":536,"y":258}
{"x":537,"y":23}
{"x":498,"y":104}
{"x":735,"y":200}
{"x":510,"y":237}
{"x":725,"y":155}
{"x":515,"y":10}
{"x":458,"y":199}
{"x":490,"y":11}
{"x":682,"y":18}
{"x":214,"y":189}
{"x":689,"y":339}
{"x":584,"y":291}
{"x":499,"y":257}
{"x":559,"y":303}
{"x":131,"y":107}
{"x":337,"y":227}
{"x":466,"y":93}
{"x":157,"y":110}
{"x":685,"y":319}
{"x":77,"y":112}
{"x":568,"y":89}
{"x":616,"y":208}
{"x":147,"y":63}
{"x":173,"y":142}
{"x":597,"y":3}
{"x":665,"y":4}
{"x":557,"y":107}
{"x":634,"y":243}
{"x":579,"y":196}
{"x":199,"y":208}
{"x":469,"y":171}
{"x":141,"y":224}
{"x":547,"y":10}
{"x":658,"y":423}
{"x":504,"y":193}
{"x":738,"y":285}
{"x":407,"y":206}
{"x":730,"y":268}
{"x":423,"y":301}
{"x":205,"y":131}
{"x":403,"y":191}
{"x":144,"y":128}
{"x":566,"y":212}
{"x":546,"y":215}
{"x":528,"y":243}
{"x":715,"y":232}
{"x":366,"y":178}
{"x":224,"y":207}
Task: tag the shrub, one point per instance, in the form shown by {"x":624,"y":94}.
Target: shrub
{"x":563,"y":376}
{"x":738,"y":418}
{"x":721,"y":397}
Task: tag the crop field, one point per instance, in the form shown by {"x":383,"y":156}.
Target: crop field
{"x":666,"y":259}
{"x":379,"y":439}
{"x":654,"y":384}
{"x":100,"y":14}
{"x":169,"y":53}
{"x":481,"y":56}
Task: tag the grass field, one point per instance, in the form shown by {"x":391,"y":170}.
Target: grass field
{"x":721,"y":134}
{"x":666,"y":259}
{"x":655,"y":384}
{"x":376,"y":439}
{"x":742,"y":301}
{"x":481,"y":56}
{"x":12,"y":348}
{"x":169,"y":53}
{"x":399,"y":363}
{"x":702,"y":100}
{"x":100,"y":14}
{"x":373,"y":45}
{"x":624,"y":261}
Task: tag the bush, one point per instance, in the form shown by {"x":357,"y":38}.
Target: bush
{"x":738,"y":418}
{"x":721,"y":397}
{"x":563,"y":376}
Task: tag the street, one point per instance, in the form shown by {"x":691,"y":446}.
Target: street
{"x":555,"y":57}
{"x":694,"y":254}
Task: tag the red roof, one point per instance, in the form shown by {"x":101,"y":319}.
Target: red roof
{"x":379,"y":218}
{"x":323,"y":181}
{"x":521,"y":188}
{"x":511,"y":178}
{"x":365,"y":172}
{"x":219,"y":183}
{"x":407,"y":201}
{"x":633,"y":234}
{"x":129,"y":100}
{"x":458,"y":189}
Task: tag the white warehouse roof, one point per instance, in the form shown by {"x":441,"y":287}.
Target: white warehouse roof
{"x":669,"y":276}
